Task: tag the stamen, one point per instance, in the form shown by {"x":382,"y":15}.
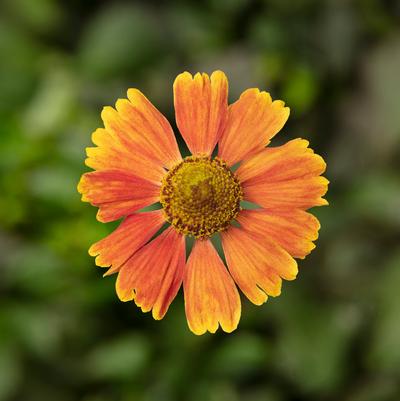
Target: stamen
{"x":200,"y":196}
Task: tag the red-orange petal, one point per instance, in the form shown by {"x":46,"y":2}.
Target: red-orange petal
{"x":294,"y":230}
{"x":153,"y":275}
{"x":211,"y":297}
{"x":136,"y":229}
{"x":117,"y":193}
{"x":286,"y":176}
{"x":257,"y":264}
{"x":252,"y":121}
{"x":201,"y":109}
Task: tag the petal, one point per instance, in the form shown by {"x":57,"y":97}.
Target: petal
{"x":151,"y":129}
{"x":137,"y":138}
{"x":252,"y":121}
{"x":118,"y":152}
{"x":117,"y":193}
{"x":294,"y":230}
{"x":211,"y":296}
{"x":115,"y":249}
{"x":257,"y":264}
{"x":153,"y":275}
{"x":284,"y":177}
{"x":201,"y":109}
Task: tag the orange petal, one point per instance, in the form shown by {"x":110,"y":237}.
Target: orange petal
{"x":211,"y":296}
{"x":257,"y":264}
{"x":149,"y":128}
{"x":137,"y":138}
{"x":153,"y":275}
{"x":201,"y":109}
{"x":115,"y":249}
{"x":294,"y":230}
{"x":117,"y":193}
{"x":284,"y":177}
{"x":252,"y":121}
{"x":117,"y":152}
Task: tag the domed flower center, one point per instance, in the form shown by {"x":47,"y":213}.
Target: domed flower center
{"x":200,"y":196}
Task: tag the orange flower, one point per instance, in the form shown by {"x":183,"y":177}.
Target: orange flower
{"x":138,"y":163}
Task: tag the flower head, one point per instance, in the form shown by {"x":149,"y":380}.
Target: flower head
{"x":137,"y":163}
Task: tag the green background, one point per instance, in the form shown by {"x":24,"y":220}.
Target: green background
{"x":333,"y":334}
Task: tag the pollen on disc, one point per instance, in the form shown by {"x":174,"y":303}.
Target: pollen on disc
{"x":200,"y":196}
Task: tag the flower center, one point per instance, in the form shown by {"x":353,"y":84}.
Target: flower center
{"x":200,"y":196}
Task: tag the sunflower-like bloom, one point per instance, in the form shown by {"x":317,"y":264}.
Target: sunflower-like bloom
{"x":137,"y":163}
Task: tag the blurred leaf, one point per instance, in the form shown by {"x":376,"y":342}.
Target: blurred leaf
{"x":41,"y":15}
{"x":121,"y":37}
{"x":10,"y":371}
{"x":120,"y":359}
{"x":228,"y":6}
{"x":262,"y":394}
{"x":369,"y":136}
{"x":377,"y":388}
{"x":312,"y":342}
{"x":268,"y":34}
{"x":300,"y":90}
{"x":193,"y":28}
{"x":377,"y":198}
{"x":338,"y":34}
{"x":36,"y":328}
{"x":54,"y":183}
{"x":214,"y":391}
{"x":19,"y":64}
{"x":53,"y":104}
{"x":32,"y":268}
{"x":384,"y":354}
{"x":240,"y":355}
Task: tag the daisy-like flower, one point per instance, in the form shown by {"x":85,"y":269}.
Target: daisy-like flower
{"x":137,"y":163}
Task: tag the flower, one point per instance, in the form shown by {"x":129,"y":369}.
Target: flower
{"x":137,"y":163}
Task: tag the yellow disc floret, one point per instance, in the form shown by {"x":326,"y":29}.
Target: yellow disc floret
{"x":200,"y":196}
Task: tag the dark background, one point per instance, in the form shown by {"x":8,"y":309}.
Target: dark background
{"x":333,"y":334}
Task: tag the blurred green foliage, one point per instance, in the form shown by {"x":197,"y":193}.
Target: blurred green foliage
{"x":334,"y":334}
